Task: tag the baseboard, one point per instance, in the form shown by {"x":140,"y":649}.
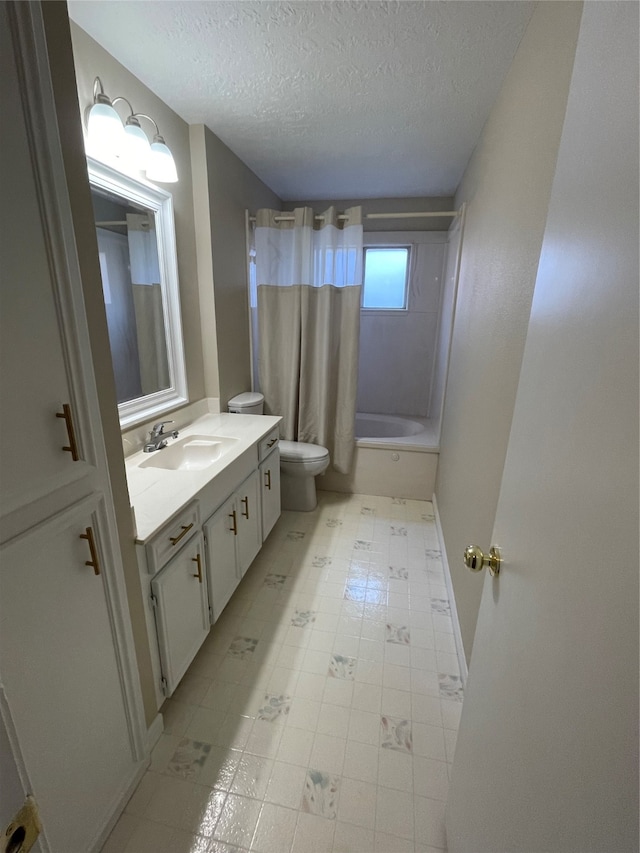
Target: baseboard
{"x":462,"y":661}
{"x":154,"y":731}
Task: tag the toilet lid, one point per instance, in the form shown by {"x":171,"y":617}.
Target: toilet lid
{"x":246,"y":399}
{"x":299,"y":451}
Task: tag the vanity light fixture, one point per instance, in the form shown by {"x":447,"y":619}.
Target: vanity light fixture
{"x":107,"y":138}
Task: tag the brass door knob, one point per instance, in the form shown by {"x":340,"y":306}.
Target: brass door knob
{"x":475,"y":559}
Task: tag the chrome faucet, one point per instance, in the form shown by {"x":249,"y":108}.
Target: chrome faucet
{"x":157,"y":437}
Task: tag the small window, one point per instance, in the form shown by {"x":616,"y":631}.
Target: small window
{"x":385,"y":277}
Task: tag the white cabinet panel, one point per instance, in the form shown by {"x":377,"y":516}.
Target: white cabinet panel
{"x":61,"y":675}
{"x":182,"y":610}
{"x":270,"y":491}
{"x":222,"y":572}
{"x":249,"y":540}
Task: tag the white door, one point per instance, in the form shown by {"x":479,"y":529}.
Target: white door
{"x":182,"y":611}
{"x":61,"y":677}
{"x":249,"y":527}
{"x":270,"y":487}
{"x":546,"y":758}
{"x":67,"y":666}
{"x":220,"y":533}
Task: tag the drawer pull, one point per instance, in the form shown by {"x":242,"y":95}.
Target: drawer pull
{"x":72,"y":447}
{"x":267,"y":479}
{"x":272,"y":442}
{"x":88,"y":535}
{"x":245,"y":512}
{"x":235,"y":522}
{"x":185,"y":529}
{"x":196,"y":560}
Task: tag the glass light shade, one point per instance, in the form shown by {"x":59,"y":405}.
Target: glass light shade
{"x":105,"y":133}
{"x":136,"y":150}
{"x":161,"y":166}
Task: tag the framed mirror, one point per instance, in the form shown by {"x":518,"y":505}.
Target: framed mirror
{"x":137,"y":250}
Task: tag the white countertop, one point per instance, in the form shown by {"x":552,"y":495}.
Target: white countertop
{"x":157,"y":494}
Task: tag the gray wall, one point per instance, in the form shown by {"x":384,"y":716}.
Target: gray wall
{"x":507,"y":187}
{"x":398,"y":348}
{"x":232,"y":189}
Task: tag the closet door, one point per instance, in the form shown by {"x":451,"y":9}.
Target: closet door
{"x":61,"y":675}
{"x":67,"y":662}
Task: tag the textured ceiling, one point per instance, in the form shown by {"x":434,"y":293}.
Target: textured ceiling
{"x":324,"y":99}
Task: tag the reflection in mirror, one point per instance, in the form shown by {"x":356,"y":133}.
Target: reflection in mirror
{"x":136,"y":246}
{"x":128,"y":251}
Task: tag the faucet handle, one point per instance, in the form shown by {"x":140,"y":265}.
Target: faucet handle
{"x":158,"y":428}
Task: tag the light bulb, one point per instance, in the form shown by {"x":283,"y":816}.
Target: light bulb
{"x":161,"y":166}
{"x":136,"y":150}
{"x":105,"y":133}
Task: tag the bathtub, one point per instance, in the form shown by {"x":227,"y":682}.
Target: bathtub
{"x":395,"y":457}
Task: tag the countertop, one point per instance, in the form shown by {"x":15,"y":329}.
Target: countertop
{"x":157,"y":494}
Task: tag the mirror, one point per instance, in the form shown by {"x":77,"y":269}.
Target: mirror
{"x":136,"y":246}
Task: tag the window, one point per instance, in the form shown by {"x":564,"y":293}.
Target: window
{"x":385,"y":277}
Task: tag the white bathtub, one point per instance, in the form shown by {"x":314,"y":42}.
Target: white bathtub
{"x":395,"y":457}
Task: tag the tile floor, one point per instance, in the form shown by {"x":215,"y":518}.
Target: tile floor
{"x":320,"y":715}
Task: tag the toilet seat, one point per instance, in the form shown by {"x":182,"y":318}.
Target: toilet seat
{"x":301,"y":452}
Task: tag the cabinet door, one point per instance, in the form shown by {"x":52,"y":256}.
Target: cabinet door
{"x":222,"y":574}
{"x":270,"y":491}
{"x":62,"y":676}
{"x":182,"y":611}
{"x":249,"y":524}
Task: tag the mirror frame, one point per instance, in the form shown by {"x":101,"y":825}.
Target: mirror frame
{"x":144,"y":408}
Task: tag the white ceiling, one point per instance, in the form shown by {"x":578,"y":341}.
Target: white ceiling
{"x":321,"y":99}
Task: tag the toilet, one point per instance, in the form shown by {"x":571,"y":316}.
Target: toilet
{"x":300,"y":462}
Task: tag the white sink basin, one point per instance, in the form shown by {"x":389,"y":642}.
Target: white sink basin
{"x":192,"y":453}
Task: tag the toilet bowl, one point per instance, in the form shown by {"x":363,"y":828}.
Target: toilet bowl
{"x":300,"y":462}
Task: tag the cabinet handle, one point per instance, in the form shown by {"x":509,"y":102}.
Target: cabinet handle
{"x":235,"y":522}
{"x":245,"y":501}
{"x":185,"y":529}
{"x":72,"y":447}
{"x":267,"y":479}
{"x":272,"y":442}
{"x":88,"y":535}
{"x":196,"y":560}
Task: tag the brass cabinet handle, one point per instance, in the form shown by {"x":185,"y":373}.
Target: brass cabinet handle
{"x":235,"y":522}
{"x":272,"y":442}
{"x":245,"y":501}
{"x":72,"y":447}
{"x":196,"y":560}
{"x":185,"y":529}
{"x":267,"y":481}
{"x":475,"y":559}
{"x":88,"y":535}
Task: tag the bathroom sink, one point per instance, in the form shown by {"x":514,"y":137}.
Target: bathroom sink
{"x":192,"y":453}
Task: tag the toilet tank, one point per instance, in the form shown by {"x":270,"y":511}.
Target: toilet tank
{"x":248,"y":403}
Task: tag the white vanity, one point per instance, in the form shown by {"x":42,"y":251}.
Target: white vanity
{"x":203,"y":507}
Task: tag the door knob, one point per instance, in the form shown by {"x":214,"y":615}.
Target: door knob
{"x":475,"y":559}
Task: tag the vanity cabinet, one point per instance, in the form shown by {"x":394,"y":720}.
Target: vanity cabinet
{"x":270,"y":491}
{"x":179,"y":598}
{"x":233,"y":538}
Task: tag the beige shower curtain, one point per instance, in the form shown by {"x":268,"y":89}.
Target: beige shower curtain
{"x":308,"y":299}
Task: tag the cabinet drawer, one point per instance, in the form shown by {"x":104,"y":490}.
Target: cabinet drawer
{"x":268,"y":443}
{"x":172,"y":537}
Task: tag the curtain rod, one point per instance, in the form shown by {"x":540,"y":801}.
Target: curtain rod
{"x":407,"y":215}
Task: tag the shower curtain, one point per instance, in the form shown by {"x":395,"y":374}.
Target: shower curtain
{"x":309,"y":282}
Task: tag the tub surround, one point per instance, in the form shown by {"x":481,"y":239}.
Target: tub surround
{"x":158,"y":494}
